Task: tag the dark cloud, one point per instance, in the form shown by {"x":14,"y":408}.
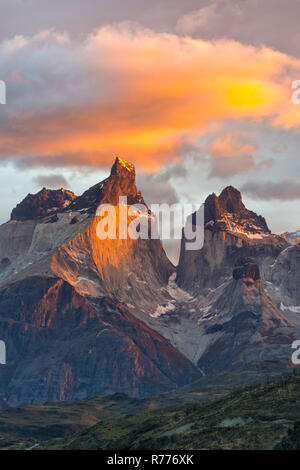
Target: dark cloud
{"x":156,"y":190}
{"x":80,"y":17}
{"x":225,"y":167}
{"x":285,"y":190}
{"x":174,"y":170}
{"x":270,"y":22}
{"x":51,"y":181}
{"x":230,"y":155}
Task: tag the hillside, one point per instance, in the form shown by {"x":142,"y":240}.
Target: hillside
{"x":23,"y":427}
{"x":258,"y":417}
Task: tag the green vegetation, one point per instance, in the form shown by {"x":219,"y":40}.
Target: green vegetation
{"x":258,"y":417}
{"x":216,"y":412}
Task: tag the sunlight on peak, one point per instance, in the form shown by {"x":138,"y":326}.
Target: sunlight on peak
{"x":127,"y":165}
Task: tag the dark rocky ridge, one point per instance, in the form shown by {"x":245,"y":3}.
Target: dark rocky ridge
{"x":285,"y":275}
{"x":63,"y":346}
{"x":245,"y":268}
{"x":246,"y":324}
{"x":45,"y":202}
{"x":230,"y":202}
{"x":121,"y":182}
{"x":65,"y":297}
{"x":231,"y":231}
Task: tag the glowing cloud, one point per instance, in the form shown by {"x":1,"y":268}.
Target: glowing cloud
{"x":130,"y":91}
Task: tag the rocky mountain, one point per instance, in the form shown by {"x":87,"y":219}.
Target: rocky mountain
{"x":82,"y":316}
{"x":44,"y":203}
{"x":243,"y":323}
{"x":231,"y":231}
{"x":285,"y":277}
{"x":63,"y":301}
{"x":292,"y":237}
{"x":244,"y":278}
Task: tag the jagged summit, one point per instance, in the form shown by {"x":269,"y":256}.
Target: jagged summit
{"x":230,"y":232}
{"x":83,"y":315}
{"x":119,"y":166}
{"x":230,"y":200}
{"x":227,"y":212}
{"x":81,"y":303}
{"x":121,"y":182}
{"x":292,"y":237}
{"x":46,"y":202}
{"x":43,"y":203}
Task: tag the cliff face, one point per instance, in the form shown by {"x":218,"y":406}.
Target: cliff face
{"x":64,"y":346}
{"x":245,"y":281}
{"x":65,"y":297}
{"x":65,"y":243}
{"x":243,"y":324}
{"x":227,"y":212}
{"x":285,"y":276}
{"x":46,"y":202}
{"x":231,"y":231}
{"x":82,"y":315}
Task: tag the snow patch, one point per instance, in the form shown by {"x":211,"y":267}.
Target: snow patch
{"x":175,"y":292}
{"x":162,"y":309}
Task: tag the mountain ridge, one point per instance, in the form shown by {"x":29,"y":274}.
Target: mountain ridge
{"x":224,"y":307}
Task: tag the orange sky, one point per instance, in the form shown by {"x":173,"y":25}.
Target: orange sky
{"x":145,"y":95}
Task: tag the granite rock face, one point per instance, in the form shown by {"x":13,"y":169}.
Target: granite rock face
{"x":230,"y":231}
{"x":45,"y":202}
{"x":228,"y":212}
{"x":285,"y":276}
{"x":73,"y":306}
{"x":243,"y":324}
{"x":83,"y":315}
{"x":245,"y":280}
{"x":64,"y":346}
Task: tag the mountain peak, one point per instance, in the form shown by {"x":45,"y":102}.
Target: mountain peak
{"x":120,"y":165}
{"x":230,"y":200}
{"x":121,"y":182}
{"x":227,"y":212}
{"x":43,"y":203}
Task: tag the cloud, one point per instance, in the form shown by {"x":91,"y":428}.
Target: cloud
{"x":194,"y":20}
{"x":223,"y":167}
{"x":230,"y":155}
{"x":253,"y":22}
{"x":51,"y":181}
{"x":133,"y":92}
{"x":156,"y":190}
{"x":174,"y":170}
{"x":229,"y":146}
{"x":157,"y":187}
{"x":285,"y":190}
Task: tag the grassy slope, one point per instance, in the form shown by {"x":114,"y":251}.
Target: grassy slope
{"x":22,"y":427}
{"x":258,"y":417}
